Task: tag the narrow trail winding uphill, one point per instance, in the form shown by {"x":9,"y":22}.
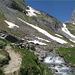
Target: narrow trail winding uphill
{"x":14,"y":63}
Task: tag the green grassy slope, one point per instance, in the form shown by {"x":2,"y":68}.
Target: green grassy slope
{"x":68,"y":54}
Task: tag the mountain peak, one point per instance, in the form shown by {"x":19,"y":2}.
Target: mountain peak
{"x":73,"y":14}
{"x":72,"y":19}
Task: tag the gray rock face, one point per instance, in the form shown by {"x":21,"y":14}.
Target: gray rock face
{"x":48,"y":21}
{"x":13,"y":9}
{"x":72,"y":19}
{"x":52,"y":25}
{"x":11,"y":38}
{"x":14,"y":4}
{"x":6,"y":2}
{"x":10,"y":7}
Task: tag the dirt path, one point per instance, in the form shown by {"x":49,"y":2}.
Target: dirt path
{"x":14,"y":63}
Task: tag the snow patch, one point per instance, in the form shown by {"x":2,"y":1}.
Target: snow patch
{"x":44,"y":32}
{"x":72,"y":45}
{"x":31,"y":11}
{"x":72,"y":40}
{"x":11,"y":25}
{"x":42,"y":39}
{"x":58,"y":35}
{"x":64,"y":29}
{"x":3,"y":36}
{"x":73,"y":23}
{"x":37,"y":42}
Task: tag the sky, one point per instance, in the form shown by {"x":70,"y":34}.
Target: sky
{"x":61,"y":9}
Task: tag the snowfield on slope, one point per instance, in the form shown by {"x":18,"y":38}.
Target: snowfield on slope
{"x":37,"y":42}
{"x":42,"y":39}
{"x":73,"y":23}
{"x":64,"y":29}
{"x":31,"y":12}
{"x":58,"y":35}
{"x":44,"y":32}
{"x":11,"y":25}
{"x":72,"y":40}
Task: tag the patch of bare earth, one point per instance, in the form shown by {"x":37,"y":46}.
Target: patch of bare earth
{"x":14,"y":63}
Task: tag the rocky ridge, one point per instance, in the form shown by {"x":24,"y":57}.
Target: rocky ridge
{"x":72,"y":19}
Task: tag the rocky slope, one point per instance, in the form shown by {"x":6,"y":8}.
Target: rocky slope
{"x":31,"y":29}
{"x":70,"y":24}
{"x":17,"y":17}
{"x":72,"y":18}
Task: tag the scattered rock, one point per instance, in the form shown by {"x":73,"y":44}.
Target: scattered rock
{"x":11,"y":38}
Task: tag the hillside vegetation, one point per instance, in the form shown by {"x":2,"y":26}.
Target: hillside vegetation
{"x":68,"y":54}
